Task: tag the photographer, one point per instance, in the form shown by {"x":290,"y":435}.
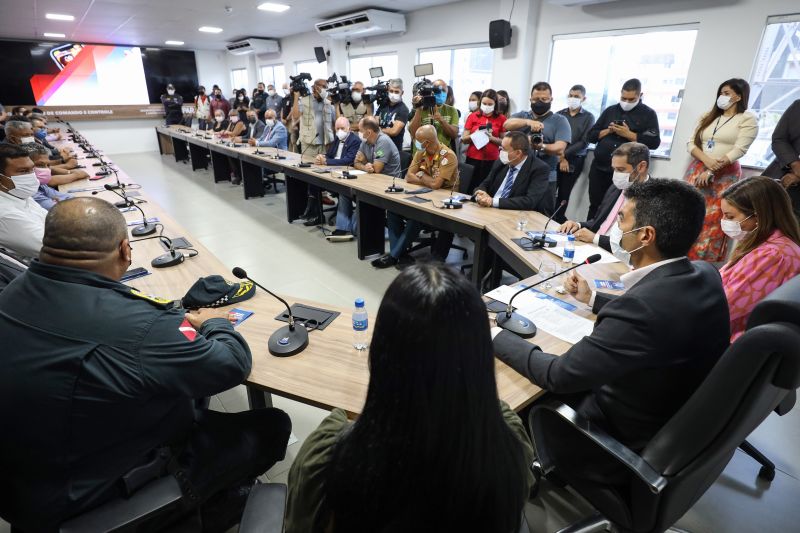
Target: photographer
{"x":549,"y":132}
{"x":355,"y":107}
{"x":430,"y":109}
{"x":393,"y":115}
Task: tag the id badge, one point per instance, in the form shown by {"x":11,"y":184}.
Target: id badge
{"x":709,"y":147}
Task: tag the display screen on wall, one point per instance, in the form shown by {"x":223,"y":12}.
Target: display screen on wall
{"x":79,"y":74}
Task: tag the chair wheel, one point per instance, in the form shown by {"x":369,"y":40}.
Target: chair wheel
{"x":766,"y":473}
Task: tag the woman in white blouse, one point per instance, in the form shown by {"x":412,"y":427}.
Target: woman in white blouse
{"x":721,"y":138}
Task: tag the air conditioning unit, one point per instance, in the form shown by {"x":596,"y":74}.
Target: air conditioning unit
{"x":253,"y":45}
{"x":362,"y":24}
{"x":579,"y":3}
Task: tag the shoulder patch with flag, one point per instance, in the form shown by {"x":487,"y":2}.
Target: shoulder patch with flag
{"x":188,"y":331}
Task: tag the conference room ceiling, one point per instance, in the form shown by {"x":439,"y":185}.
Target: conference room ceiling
{"x":152,"y":22}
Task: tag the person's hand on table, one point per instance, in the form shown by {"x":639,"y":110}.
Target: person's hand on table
{"x":570,"y":226}
{"x":320,"y":159}
{"x":82,"y":174}
{"x":584,"y":235}
{"x":578,"y":288}
{"x":368,"y":168}
{"x":251,"y":141}
{"x":483,"y":199}
{"x":790,"y":180}
{"x":200,"y":316}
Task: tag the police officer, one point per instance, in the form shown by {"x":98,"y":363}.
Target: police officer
{"x":95,"y":376}
{"x":173,"y":106}
{"x":434,"y":166}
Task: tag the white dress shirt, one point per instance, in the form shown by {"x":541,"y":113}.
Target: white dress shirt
{"x":635,"y":276}
{"x":21,"y":225}
{"x":496,"y":199}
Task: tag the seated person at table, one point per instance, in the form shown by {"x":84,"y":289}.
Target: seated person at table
{"x":518,"y":180}
{"x":110,"y":376}
{"x":50,"y":134}
{"x":54,"y":175}
{"x":46,"y":196}
{"x":274,"y":134}
{"x":21,"y":218}
{"x":631,"y":164}
{"x":220,"y":122}
{"x":434,"y":166}
{"x":431,"y":406}
{"x":342,"y":152}
{"x":254,"y":128}
{"x":235,"y":126}
{"x":757,"y":216}
{"x":377,"y":153}
{"x":652,"y":346}
{"x":20,"y":132}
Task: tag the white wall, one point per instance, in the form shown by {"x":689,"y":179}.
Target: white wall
{"x":121,"y":136}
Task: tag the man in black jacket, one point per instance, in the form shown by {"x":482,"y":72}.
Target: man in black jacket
{"x":96,"y":376}
{"x":518,"y":180}
{"x":786,"y":146}
{"x":628,"y":121}
{"x":652,"y":346}
{"x":631,"y":164}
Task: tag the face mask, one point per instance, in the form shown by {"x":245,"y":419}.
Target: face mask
{"x":615,"y":239}
{"x":473,"y":105}
{"x":43,"y":174}
{"x":170,"y":91}
{"x":573,"y":103}
{"x":361,"y":136}
{"x":540,"y":108}
{"x":323,"y":94}
{"x":240,"y":98}
{"x":342,"y":134}
{"x":418,"y":145}
{"x":40,"y":134}
{"x":394,"y":97}
{"x":201,"y":92}
{"x":285,"y":91}
{"x":251,"y":120}
{"x":25,"y":185}
{"x":504,"y":157}
{"x":218,"y":118}
{"x":269,"y":122}
{"x":234,"y":120}
{"x":487,"y":109}
{"x":271,"y":92}
{"x":441,"y":97}
{"x":733,"y":228}
{"x":27,"y":140}
{"x":627,"y":106}
{"x":356,"y":96}
{"x":622,"y":180}
{"x":724,"y":102}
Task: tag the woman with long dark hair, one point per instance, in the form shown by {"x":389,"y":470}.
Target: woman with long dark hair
{"x":241,"y":103}
{"x":757,"y":216}
{"x":503,"y":102}
{"x":722,"y":136}
{"x":433,"y":449}
{"x":489,"y":120}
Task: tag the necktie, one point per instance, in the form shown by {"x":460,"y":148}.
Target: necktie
{"x":612,"y":215}
{"x":512,"y":172}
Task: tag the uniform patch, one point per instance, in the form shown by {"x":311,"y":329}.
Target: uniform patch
{"x":188,"y":331}
{"x":379,"y":153}
{"x":152,"y":299}
{"x":444,"y":160}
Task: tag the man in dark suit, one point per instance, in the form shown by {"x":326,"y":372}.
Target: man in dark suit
{"x":652,"y":346}
{"x":255,"y":127}
{"x":786,"y":146}
{"x":341,"y":152}
{"x":631,"y":164}
{"x":518,"y":180}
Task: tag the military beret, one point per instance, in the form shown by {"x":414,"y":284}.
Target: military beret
{"x":216,"y":291}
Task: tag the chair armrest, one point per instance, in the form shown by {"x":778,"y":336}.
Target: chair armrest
{"x":654,"y":480}
{"x":265,"y":509}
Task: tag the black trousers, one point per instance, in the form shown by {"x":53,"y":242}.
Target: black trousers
{"x":599,"y":182}
{"x":566,"y":181}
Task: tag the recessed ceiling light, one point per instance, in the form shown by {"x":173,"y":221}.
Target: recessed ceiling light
{"x":55,"y":35}
{"x":209,"y":29}
{"x":174,"y":43}
{"x":275,"y":8}
{"x":56,"y":16}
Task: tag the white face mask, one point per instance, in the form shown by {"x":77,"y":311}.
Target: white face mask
{"x":395,"y":97}
{"x":27,"y":140}
{"x":724,"y":102}
{"x":627,"y":106}
{"x":504,"y":157}
{"x":473,"y":105}
{"x":356,"y":96}
{"x":285,"y":91}
{"x":487,"y":109}
{"x":25,"y":185}
{"x":573,"y":102}
{"x":361,"y":136}
{"x":219,"y":119}
{"x":615,"y":239}
{"x":323,"y":94}
{"x":622,"y":180}
{"x":342,"y":134}
{"x":234,"y":119}
{"x":271,"y":92}
{"x":270,"y":122}
{"x":170,"y":91}
{"x":733,"y":228}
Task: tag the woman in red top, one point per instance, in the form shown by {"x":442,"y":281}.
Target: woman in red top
{"x":485,"y":118}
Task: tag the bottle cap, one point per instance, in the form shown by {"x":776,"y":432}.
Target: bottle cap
{"x":359,"y":302}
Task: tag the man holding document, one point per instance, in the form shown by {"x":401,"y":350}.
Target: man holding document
{"x":652,"y":346}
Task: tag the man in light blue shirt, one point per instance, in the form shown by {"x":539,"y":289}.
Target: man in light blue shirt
{"x":275,"y":134}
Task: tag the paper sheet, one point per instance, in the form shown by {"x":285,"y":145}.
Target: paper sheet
{"x":583,"y":252}
{"x":479,"y":139}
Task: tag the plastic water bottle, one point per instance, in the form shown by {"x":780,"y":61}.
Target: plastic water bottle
{"x":569,"y":249}
{"x":360,"y":326}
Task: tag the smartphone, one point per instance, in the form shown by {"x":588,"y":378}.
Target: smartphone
{"x":134,"y":273}
{"x":618,"y":122}
{"x":64,"y":54}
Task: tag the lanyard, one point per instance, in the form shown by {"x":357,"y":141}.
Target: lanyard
{"x":717,"y":127}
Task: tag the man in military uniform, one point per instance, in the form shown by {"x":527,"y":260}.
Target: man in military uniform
{"x":95,"y":377}
{"x":434,"y":166}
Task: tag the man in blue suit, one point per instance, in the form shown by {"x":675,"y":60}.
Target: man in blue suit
{"x":274,"y":135}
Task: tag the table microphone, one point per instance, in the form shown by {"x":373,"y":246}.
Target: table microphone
{"x":452,"y":203}
{"x":171,"y":258}
{"x":541,"y":240}
{"x":145,"y":228}
{"x":300,"y":164}
{"x":516,"y":323}
{"x":393,"y":188}
{"x":288,"y":340}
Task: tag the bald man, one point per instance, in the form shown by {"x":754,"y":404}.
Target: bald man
{"x":443,"y":117}
{"x":274,"y":134}
{"x":95,"y":377}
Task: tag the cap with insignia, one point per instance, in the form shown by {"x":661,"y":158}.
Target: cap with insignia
{"x":216,"y":291}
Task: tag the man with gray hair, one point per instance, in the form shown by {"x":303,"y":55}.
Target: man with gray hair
{"x":21,"y":132}
{"x":630,"y":163}
{"x":393,"y":115}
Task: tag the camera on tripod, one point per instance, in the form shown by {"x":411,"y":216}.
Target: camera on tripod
{"x":424,"y":88}
{"x":298,"y":84}
{"x":339,"y":90}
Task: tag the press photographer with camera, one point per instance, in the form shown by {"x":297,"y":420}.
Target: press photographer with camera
{"x":355,"y":106}
{"x":430,"y":109}
{"x":393,"y":113}
{"x":549,"y":132}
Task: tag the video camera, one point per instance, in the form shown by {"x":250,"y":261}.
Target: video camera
{"x":424,"y":88}
{"x":339,"y":91}
{"x":298,"y":83}
{"x":378,"y":93}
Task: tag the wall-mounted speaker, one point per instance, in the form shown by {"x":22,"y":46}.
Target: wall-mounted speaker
{"x":320,"y":53}
{"x":499,"y":33}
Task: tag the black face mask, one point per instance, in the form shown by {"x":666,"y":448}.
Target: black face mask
{"x":540,"y":108}
{"x":201,"y":92}
{"x":251,"y":120}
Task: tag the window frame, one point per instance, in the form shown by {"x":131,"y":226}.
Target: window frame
{"x":378,"y":54}
{"x":233,"y":82}
{"x":272,"y":66}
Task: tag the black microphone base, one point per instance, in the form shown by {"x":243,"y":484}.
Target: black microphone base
{"x":123,"y":204}
{"x":304,"y":165}
{"x":143,"y":229}
{"x":259,"y":152}
{"x":394,"y":189}
{"x":286,"y":342}
{"x":168,"y":259}
{"x":115,"y":186}
{"x":452,"y":204}
{"x":547,"y":242}
{"x":516,"y":323}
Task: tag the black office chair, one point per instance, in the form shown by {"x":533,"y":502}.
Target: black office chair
{"x":753,"y":377}
{"x":405,"y":162}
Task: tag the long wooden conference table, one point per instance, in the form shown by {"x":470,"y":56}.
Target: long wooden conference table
{"x":329,"y":372}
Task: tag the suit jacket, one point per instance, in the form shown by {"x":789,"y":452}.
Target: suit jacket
{"x":610,"y":198}
{"x":258,"y":131}
{"x":785,"y":142}
{"x":531,"y":189}
{"x":649,"y":351}
{"x":275,"y":137}
{"x":351,"y":146}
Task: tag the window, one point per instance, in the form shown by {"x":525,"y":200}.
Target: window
{"x":359,"y":67}
{"x":603,"y":62}
{"x":239,"y":78}
{"x":465,"y":69}
{"x":317,"y":70}
{"x":775,"y":83}
{"x":274,"y":75}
